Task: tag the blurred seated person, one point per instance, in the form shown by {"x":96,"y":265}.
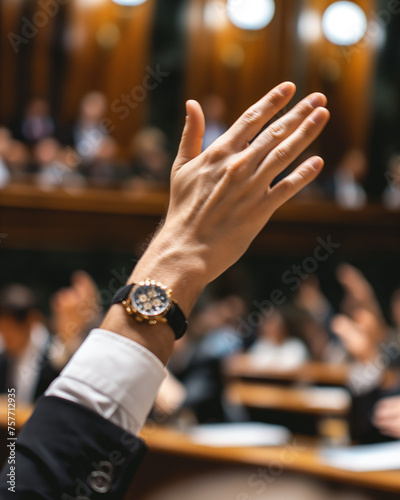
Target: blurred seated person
{"x":365,"y":334}
{"x":279,"y":343}
{"x":75,"y":311}
{"x":50,"y":168}
{"x":359,"y":294}
{"x":88,"y":133}
{"x":18,"y":160}
{"x":346,"y":184}
{"x":375,"y":415}
{"x":214,"y":111}
{"x":322,"y":342}
{"x":326,"y":345}
{"x":104,"y":170}
{"x":24,"y":363}
{"x":5,"y":140}
{"x":361,"y":314}
{"x":150,"y":160}
{"x":196,"y":381}
{"x":391,"y":194}
{"x":37,"y":123}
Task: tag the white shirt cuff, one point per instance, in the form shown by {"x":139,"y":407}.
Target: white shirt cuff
{"x":113,"y":376}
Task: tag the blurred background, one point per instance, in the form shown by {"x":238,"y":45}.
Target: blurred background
{"x":92,"y":96}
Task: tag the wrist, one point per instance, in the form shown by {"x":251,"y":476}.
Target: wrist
{"x":177,"y":265}
{"x":158,"y":338}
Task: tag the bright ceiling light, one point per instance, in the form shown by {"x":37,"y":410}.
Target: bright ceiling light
{"x":129,"y":3}
{"x":344,"y":23}
{"x":251,"y":14}
{"x":215,"y":14}
{"x":309,"y":26}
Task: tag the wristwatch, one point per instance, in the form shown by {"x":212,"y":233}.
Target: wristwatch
{"x":151,"y":301}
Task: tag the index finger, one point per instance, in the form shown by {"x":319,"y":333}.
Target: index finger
{"x":252,"y":120}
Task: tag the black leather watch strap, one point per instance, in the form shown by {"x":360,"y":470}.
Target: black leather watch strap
{"x":176,"y":320}
{"x":122,"y":294}
{"x":175,"y":317}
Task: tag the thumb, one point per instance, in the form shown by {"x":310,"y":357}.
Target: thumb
{"x":192,"y":136}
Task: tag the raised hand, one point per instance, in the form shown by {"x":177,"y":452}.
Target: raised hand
{"x":359,"y":294}
{"x":359,"y":334}
{"x":222,"y":198}
{"x":75,"y":307}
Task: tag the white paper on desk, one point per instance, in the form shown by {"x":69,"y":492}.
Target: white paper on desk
{"x":240,"y":434}
{"x":364,"y":458}
{"x":327,"y":397}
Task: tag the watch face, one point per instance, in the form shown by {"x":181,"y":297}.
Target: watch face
{"x":150,"y":299}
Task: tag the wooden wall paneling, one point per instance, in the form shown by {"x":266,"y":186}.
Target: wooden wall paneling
{"x":238,"y":65}
{"x":41,"y":61}
{"x":10,"y":13}
{"x":59,"y":62}
{"x":108,"y":52}
{"x":345,"y":75}
{"x":128,"y":69}
{"x":199,"y":76}
{"x":85,"y":21}
{"x":40,"y":219}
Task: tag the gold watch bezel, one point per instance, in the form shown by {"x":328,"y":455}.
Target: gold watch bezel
{"x":140,"y":316}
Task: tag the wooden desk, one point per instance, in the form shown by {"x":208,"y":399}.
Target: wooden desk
{"x":92,"y":218}
{"x":299,"y":455}
{"x":87,"y":219}
{"x":316,"y":401}
{"x":242,"y":366}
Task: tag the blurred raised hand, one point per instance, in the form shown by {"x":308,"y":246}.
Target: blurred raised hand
{"x":361,"y":334}
{"x":76,"y":308}
{"x":360,"y":295}
{"x":387,"y":416}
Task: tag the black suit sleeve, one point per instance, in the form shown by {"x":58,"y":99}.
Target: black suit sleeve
{"x":66,"y":451}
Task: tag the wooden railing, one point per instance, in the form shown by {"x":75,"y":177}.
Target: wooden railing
{"x":34,"y":218}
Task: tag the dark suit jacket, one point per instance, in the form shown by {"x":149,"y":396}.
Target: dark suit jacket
{"x":66,"y":451}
